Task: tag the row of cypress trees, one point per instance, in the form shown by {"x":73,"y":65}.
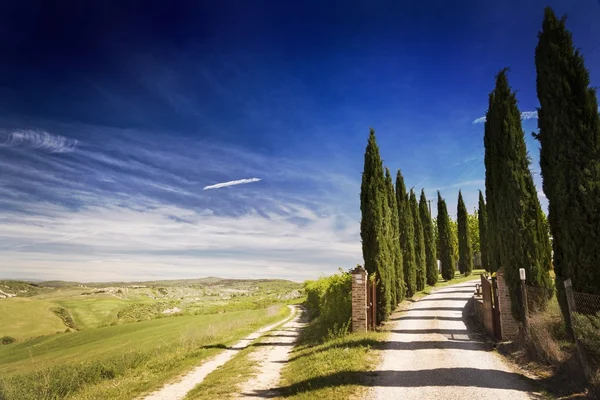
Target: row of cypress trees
{"x":512,"y":225}
{"x":396,"y":232}
{"x":569,"y":137}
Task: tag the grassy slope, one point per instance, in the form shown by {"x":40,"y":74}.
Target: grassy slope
{"x":39,"y":319}
{"x":121,"y":361}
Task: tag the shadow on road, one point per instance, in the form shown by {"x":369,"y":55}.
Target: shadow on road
{"x":491,"y":379}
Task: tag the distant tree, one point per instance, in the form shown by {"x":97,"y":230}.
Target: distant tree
{"x":407,"y":236}
{"x":397,"y":272}
{"x":482,"y":217}
{"x":454,"y":239}
{"x":569,"y":135}
{"x":516,"y":215}
{"x":473,"y":220}
{"x":465,"y":250}
{"x":373,"y":204}
{"x":430,"y":245}
{"x":420,"y":257}
{"x":446,"y":256}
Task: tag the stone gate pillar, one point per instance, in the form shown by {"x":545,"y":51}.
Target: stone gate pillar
{"x":359,"y":299}
{"x":509,"y":327}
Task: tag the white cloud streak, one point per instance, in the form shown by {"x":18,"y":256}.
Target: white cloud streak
{"x":40,"y":140}
{"x":524,"y":115}
{"x":231,"y":183}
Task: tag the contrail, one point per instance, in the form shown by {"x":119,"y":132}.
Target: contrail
{"x":231,"y":183}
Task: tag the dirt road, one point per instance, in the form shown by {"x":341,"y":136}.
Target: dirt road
{"x":430,"y":355}
{"x":179,"y":389}
{"x":271,"y":357}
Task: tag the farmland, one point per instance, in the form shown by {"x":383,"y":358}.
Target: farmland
{"x":120,"y":340}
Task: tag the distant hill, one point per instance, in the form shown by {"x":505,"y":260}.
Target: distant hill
{"x":10,"y":288}
{"x":208,"y":281}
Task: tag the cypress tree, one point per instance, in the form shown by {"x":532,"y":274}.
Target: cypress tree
{"x":407,"y":236}
{"x":430,"y":245}
{"x":446,"y":252}
{"x":373,"y":204}
{"x":483,"y":243}
{"x":420,"y":260}
{"x":519,"y":237}
{"x":569,"y":135}
{"x":396,"y":271}
{"x":465,"y":249}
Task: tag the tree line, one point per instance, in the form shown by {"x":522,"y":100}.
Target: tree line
{"x":401,"y":242}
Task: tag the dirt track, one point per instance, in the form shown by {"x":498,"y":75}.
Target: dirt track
{"x":431,"y":355}
{"x":179,"y":389}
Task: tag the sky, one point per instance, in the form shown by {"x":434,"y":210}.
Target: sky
{"x":182,"y":139}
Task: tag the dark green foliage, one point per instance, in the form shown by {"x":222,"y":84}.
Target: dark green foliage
{"x":430,"y":244}
{"x":569,"y":135}
{"x":398,"y":286}
{"x":483,"y":241}
{"x":465,"y":249}
{"x":515,"y":219}
{"x":444,"y":234}
{"x":420,"y":258}
{"x":7,"y":340}
{"x":407,"y":236}
{"x":375,"y":226}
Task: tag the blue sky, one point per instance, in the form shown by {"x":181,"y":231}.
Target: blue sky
{"x":115,"y":118}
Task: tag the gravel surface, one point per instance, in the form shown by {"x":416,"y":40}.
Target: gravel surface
{"x":179,"y":389}
{"x":431,"y":355}
{"x":272,"y":356}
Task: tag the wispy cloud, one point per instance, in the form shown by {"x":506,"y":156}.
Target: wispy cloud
{"x":524,"y":115}
{"x":131,"y":208}
{"x":41,"y":140}
{"x":529,"y":115}
{"x":231,"y":183}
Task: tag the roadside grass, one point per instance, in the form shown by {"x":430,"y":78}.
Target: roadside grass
{"x":225,"y":382}
{"x":122,"y":361}
{"x":319,"y":371}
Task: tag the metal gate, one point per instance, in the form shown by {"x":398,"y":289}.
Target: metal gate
{"x":371,"y":304}
{"x":491,"y":312}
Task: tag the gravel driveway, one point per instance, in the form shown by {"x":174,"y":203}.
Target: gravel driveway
{"x":430,"y":355}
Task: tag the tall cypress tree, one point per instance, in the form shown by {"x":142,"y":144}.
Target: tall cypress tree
{"x":465,"y":249}
{"x":483,"y":241}
{"x":407,"y":236}
{"x":431,"y":268}
{"x":569,"y":135}
{"x":396,"y":271}
{"x":443,"y":223}
{"x":373,"y":204}
{"x":420,"y":260}
{"x":519,"y":237}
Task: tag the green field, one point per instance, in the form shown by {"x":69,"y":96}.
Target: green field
{"x":121,"y":361}
{"x":26,"y":317}
{"x":97,"y":341}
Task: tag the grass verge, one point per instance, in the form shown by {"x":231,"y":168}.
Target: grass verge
{"x":320,"y":371}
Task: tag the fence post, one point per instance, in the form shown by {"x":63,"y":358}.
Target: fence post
{"x":580,"y":350}
{"x":524,"y":304}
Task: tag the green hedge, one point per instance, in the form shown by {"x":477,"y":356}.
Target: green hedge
{"x":329,"y":306}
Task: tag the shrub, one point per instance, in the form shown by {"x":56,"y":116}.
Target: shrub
{"x":546,"y":329}
{"x":7,"y":340}
{"x":587,"y":330}
{"x":329,"y":306}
